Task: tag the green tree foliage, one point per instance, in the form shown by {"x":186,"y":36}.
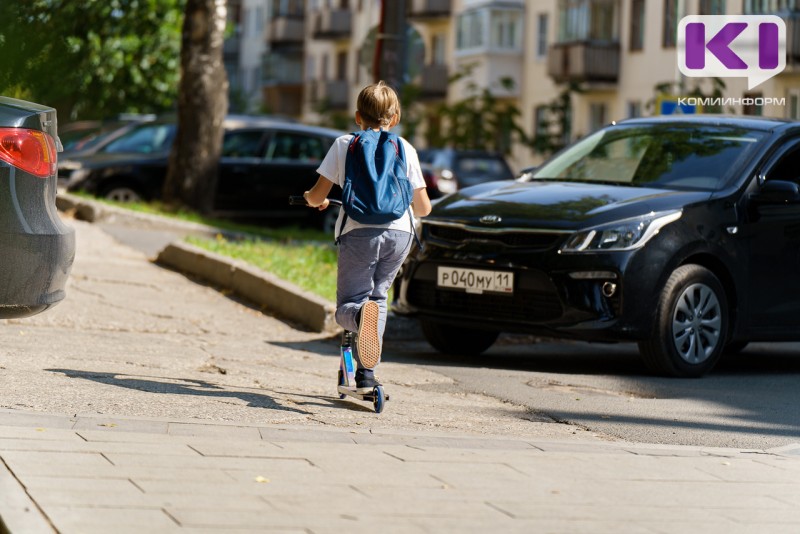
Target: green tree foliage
{"x":91,"y":58}
{"x":554,"y":131}
{"x":481,"y":121}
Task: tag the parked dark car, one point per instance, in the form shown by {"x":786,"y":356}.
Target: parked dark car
{"x":36,"y":248}
{"x":263,"y":162}
{"x":447,"y":169}
{"x":681,"y":234}
{"x":82,"y":138}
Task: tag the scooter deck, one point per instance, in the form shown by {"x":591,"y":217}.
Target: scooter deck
{"x":350,"y":392}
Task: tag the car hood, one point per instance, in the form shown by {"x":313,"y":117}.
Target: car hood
{"x":555,"y":205}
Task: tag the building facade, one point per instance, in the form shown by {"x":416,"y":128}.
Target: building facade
{"x":568,"y":66}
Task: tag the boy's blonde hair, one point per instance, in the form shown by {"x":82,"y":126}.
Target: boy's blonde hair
{"x":377,"y":104}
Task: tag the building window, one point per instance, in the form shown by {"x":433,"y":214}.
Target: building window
{"x":753,"y":109}
{"x":637,"y":25}
{"x":541,"y":35}
{"x":634,"y":108}
{"x":597,"y":115}
{"x":793,"y":104}
{"x":438,"y":53}
{"x":583,"y":20}
{"x":469,"y":32}
{"x":712,"y":7}
{"x":498,"y":29}
{"x":341,"y":66}
{"x":540,"y":123}
{"x":670,"y":31}
{"x":766,"y":7}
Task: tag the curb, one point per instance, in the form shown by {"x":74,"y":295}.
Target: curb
{"x":280,"y":297}
{"x":271,"y":293}
{"x":261,"y":288}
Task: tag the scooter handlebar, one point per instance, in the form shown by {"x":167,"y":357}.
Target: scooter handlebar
{"x":299,"y":200}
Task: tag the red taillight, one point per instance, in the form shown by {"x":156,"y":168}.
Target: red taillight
{"x":30,"y":150}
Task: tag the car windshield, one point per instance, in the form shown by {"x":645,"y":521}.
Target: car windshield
{"x":663,"y":157}
{"x":144,"y":139}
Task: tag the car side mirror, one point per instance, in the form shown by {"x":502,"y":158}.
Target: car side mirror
{"x":778,"y":192}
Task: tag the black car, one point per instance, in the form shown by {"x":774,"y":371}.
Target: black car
{"x":36,"y":248}
{"x":83,"y":138}
{"x":681,"y":234}
{"x":447,"y":169}
{"x":263,"y":162}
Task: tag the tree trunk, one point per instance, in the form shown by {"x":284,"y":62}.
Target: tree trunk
{"x":202,"y":106}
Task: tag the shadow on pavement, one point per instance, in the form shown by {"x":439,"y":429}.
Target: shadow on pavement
{"x":177,"y":386}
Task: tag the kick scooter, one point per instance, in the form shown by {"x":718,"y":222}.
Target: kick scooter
{"x":347,"y":366}
{"x":347,"y":379}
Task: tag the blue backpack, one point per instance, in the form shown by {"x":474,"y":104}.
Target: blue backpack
{"x":376,"y":188}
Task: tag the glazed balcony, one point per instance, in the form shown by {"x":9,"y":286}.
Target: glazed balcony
{"x":286,"y":30}
{"x":584,"y":61}
{"x":429,"y":9}
{"x":332,"y":94}
{"x":332,"y":24}
{"x":280,"y":69}
{"x":434,"y":81}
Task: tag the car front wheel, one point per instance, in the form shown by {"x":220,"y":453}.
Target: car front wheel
{"x":691,"y":325}
{"x":457,"y":340}
{"x":121,"y":192}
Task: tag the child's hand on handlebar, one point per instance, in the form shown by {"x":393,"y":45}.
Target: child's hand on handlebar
{"x":320,"y":207}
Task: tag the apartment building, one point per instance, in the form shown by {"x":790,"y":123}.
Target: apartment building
{"x":243,"y":53}
{"x":573,"y":65}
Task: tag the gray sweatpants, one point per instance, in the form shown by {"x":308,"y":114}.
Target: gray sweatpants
{"x":369,"y":259}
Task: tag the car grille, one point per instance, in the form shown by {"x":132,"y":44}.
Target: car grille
{"x":515,"y":239}
{"x":534,"y":299}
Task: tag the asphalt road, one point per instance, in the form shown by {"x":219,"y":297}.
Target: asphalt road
{"x":748,"y":401}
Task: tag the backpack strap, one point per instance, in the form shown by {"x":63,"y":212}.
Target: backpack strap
{"x":351,"y":148}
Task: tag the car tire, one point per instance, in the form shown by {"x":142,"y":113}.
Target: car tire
{"x":121,"y":192}
{"x":691,"y":325}
{"x":456,"y":340}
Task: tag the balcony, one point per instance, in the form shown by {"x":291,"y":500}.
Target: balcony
{"x":434,"y":82}
{"x":584,"y":61}
{"x":284,"y":30}
{"x":281,"y":69}
{"x":332,"y":24}
{"x":330,"y":94}
{"x":429,"y":9}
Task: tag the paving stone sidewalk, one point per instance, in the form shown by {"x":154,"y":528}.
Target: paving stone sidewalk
{"x":98,"y":475}
{"x":147,"y":402}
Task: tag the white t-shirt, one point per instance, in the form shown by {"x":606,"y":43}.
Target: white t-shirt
{"x":332,"y":168}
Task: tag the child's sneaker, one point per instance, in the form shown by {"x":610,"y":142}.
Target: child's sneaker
{"x":366,"y":381}
{"x":369,"y":342}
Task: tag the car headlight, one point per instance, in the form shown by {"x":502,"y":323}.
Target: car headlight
{"x":447,"y":182}
{"x":627,"y":234}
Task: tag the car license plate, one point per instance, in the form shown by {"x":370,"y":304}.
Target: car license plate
{"x":475,"y":280}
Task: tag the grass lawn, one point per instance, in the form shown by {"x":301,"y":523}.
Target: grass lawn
{"x":310,"y":265}
{"x":305,"y":257}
